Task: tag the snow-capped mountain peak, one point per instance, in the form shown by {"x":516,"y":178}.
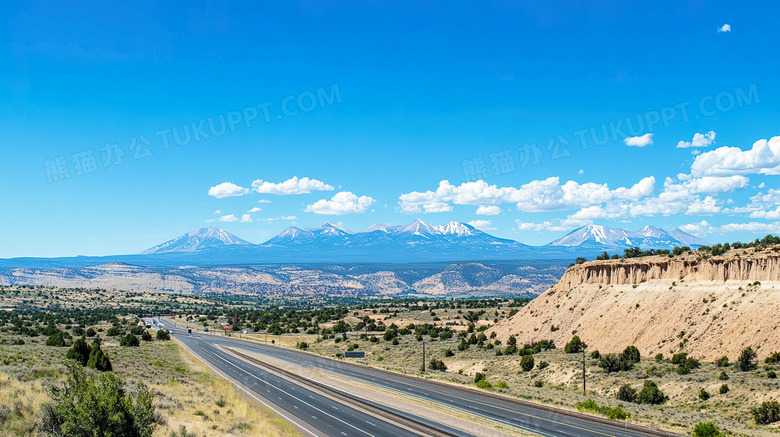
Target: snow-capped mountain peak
{"x":647,"y":237}
{"x":198,"y":239}
{"x":420,"y":228}
{"x":457,"y":228}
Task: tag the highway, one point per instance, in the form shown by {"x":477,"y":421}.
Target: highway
{"x":542,"y":420}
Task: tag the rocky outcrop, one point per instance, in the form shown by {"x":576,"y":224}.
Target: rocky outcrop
{"x":706,"y":307}
{"x":763,"y":266}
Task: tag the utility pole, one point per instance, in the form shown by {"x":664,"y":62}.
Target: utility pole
{"x":423,"y":363}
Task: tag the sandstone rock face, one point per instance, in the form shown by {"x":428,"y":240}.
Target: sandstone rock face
{"x":706,"y":307}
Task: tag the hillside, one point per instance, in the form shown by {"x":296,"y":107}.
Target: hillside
{"x":708,"y":307}
{"x":471,"y":279}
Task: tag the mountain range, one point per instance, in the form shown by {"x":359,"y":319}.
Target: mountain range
{"x":648,"y":237}
{"x":417,"y":241}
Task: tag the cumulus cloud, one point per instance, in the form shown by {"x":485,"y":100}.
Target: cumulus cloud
{"x":227,"y":189}
{"x":264,"y":201}
{"x":343,"y":202}
{"x":535,"y":196}
{"x":640,"y":141}
{"x":699,"y":141}
{"x":699,"y":229}
{"x":284,"y":217}
{"x":488,"y":210}
{"x":484,"y":225}
{"x":253,"y":210}
{"x":762,"y":158}
{"x":230,"y":218}
{"x":724,"y":28}
{"x":291,"y":186}
{"x":218,"y":211}
{"x":246,"y":218}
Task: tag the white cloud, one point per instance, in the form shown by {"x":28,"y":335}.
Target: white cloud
{"x":246,"y":218}
{"x":488,"y":210}
{"x":703,"y":228}
{"x":230,"y":218}
{"x":581,"y":171}
{"x":641,"y":141}
{"x":218,"y":211}
{"x":535,"y":196}
{"x":772,"y":214}
{"x":343,"y":202}
{"x":724,"y":28}
{"x":699,"y":229}
{"x":264,"y":201}
{"x":291,"y":186}
{"x":698,"y":141}
{"x":484,"y":225}
{"x":706,"y":206}
{"x":762,"y":158}
{"x":227,"y":189}
{"x":253,"y":210}
{"x":284,"y":217}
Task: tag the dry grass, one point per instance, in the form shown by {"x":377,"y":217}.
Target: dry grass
{"x":561,"y":382}
{"x":189,"y":398}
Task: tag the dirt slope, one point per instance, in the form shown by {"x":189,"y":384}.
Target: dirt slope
{"x":706,"y":307}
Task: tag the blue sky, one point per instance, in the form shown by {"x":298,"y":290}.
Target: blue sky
{"x":376,"y":104}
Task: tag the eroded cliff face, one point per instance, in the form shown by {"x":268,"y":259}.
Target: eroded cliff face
{"x":761,"y":266}
{"x":706,"y":307}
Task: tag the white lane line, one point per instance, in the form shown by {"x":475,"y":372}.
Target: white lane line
{"x":224,"y":375}
{"x":298,"y":399}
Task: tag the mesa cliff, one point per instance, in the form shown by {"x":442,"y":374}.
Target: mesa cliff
{"x":706,"y":306}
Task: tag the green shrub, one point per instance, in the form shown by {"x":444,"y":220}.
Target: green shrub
{"x":615,"y":363}
{"x":771,"y":374}
{"x":146,"y":336}
{"x":527,"y":363}
{"x":631,"y":353}
{"x":659,"y":357}
{"x":98,"y":359}
{"x":502,"y":384}
{"x":595,"y":355}
{"x":484,"y":384}
{"x":79,"y":352}
{"x":129,"y":340}
{"x":773,"y":359}
{"x":97,"y":406}
{"x":704,"y":394}
{"x":723,"y":376}
{"x":448,"y":352}
{"x":767,"y":412}
{"x":724,"y":389}
{"x":746,"y":360}
{"x":479,"y":377}
{"x":113,"y":331}
{"x":574,"y":346}
{"x":162,"y":335}
{"x":722,"y":361}
{"x":679,"y":358}
{"x":542,"y":365}
{"x":56,"y":340}
{"x":706,"y":430}
{"x":651,"y":394}
{"x":302,"y":345}
{"x":616,"y":413}
{"x":91,"y":332}
{"x":626,"y":393}
{"x":435,"y":364}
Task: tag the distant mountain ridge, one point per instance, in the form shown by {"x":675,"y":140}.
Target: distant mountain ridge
{"x":649,"y":237}
{"x":199,"y":239}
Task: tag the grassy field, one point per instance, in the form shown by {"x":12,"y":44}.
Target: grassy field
{"x":190,"y":400}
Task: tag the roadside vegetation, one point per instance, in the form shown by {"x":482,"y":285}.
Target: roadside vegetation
{"x":731,"y":396}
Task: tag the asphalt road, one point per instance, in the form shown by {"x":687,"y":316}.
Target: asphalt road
{"x":311,"y":411}
{"x":542,"y":420}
